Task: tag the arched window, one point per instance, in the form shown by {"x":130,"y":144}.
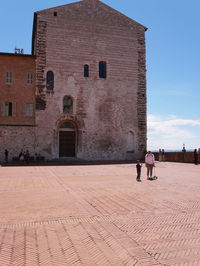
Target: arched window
{"x":50,"y":81}
{"x":86,"y":71}
{"x":102,"y":69}
{"x":67,"y":105}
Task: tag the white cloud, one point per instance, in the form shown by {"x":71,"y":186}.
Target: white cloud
{"x":170,"y":132}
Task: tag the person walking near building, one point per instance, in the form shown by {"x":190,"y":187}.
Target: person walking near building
{"x":138,"y":168}
{"x":198,"y":155}
{"x":195,"y":157}
{"x":21,"y":156}
{"x":150,"y":163}
{"x":27,"y":156}
{"x":6,"y":155}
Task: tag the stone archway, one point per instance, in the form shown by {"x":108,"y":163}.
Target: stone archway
{"x":67,"y":139}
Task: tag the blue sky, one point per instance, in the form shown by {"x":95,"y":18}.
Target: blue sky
{"x":173,"y":60}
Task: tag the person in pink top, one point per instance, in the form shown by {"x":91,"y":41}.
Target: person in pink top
{"x":150,"y":163}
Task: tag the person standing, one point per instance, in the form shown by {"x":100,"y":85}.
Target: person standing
{"x":138,"y":168}
{"x":163,"y":155}
{"x":195,"y":157}
{"x":27,"y":156}
{"x":160,"y":155}
{"x":184,"y":149}
{"x":6,"y":155}
{"x":21,"y":156}
{"x":198,"y":155}
{"x":150,"y":163}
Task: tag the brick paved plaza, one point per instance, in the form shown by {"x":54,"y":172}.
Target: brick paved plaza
{"x":99,"y":215}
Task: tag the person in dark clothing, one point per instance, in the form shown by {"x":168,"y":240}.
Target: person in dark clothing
{"x":27,"y":157}
{"x":195,"y":157}
{"x":138,"y":168}
{"x":6,"y":155}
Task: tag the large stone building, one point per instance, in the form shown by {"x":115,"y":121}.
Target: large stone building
{"x":89,"y":86}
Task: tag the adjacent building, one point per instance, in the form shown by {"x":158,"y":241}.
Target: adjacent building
{"x":17,"y":102}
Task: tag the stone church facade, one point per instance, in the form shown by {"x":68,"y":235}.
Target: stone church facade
{"x":90,"y":85}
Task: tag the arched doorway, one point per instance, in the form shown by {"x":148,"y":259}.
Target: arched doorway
{"x":67,"y":140}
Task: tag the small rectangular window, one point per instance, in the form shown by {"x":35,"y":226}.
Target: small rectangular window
{"x":28,"y":109}
{"x":86,"y":71}
{"x":8,"y":77}
{"x":9,"y":109}
{"x":102,"y":70}
{"x":50,"y":80}
{"x":30,"y":78}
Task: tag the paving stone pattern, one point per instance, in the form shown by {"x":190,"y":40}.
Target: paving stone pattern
{"x":99,"y":215}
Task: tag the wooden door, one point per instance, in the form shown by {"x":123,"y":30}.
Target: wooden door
{"x":67,"y":143}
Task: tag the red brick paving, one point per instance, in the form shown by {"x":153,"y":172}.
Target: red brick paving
{"x":99,"y":215}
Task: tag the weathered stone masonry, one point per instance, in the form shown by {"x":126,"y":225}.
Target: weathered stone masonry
{"x":40,"y":52}
{"x":141,"y":98}
{"x":107,"y":119}
{"x":112,"y":111}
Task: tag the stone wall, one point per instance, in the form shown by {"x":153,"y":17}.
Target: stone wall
{"x":15,"y":138}
{"x":141,"y":95}
{"x":182,"y":157}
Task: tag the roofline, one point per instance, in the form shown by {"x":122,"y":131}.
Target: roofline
{"x":15,"y":54}
{"x":132,"y":20}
